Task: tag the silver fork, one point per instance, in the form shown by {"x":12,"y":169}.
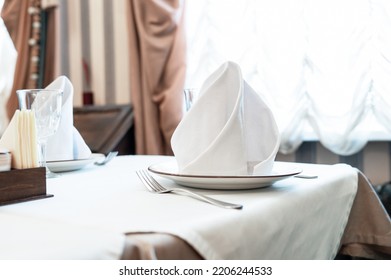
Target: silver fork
{"x":153,"y":186}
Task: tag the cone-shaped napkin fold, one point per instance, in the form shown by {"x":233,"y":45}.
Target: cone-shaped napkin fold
{"x":229,"y":131}
{"x":66,"y":143}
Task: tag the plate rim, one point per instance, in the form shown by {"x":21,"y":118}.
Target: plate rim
{"x":97,"y":155}
{"x":73,"y":165}
{"x":150,"y":168}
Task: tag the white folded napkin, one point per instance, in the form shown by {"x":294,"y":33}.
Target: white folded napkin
{"x":20,"y":138}
{"x":228,"y":131}
{"x":67,"y":143}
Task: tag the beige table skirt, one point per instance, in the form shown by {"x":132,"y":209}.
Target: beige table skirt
{"x":367,"y":234}
{"x":150,"y":246}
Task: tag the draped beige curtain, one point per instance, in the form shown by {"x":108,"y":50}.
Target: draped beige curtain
{"x":157,"y":66}
{"x":19,"y":16}
{"x":156,"y":58}
{"x":18,"y":23}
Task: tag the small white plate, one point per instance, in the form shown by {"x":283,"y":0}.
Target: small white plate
{"x":71,"y":165}
{"x":169,"y":170}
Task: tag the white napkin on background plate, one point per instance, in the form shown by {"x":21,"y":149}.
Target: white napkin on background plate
{"x":67,"y":143}
{"x":228,"y":131}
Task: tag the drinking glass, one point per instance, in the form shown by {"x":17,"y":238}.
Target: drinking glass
{"x":46,"y":104}
{"x":191,"y":95}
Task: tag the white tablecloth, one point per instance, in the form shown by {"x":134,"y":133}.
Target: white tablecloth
{"x":29,"y":237}
{"x":293,"y":219}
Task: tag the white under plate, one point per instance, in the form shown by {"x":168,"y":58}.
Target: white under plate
{"x":71,"y":165}
{"x":169,"y":170}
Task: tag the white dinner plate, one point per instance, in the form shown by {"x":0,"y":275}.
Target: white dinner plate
{"x":169,"y":170}
{"x":71,"y":165}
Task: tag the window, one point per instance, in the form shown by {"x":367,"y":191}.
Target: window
{"x":323,"y":66}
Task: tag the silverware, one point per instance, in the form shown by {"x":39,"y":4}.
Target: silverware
{"x":109,"y":157}
{"x":153,"y":186}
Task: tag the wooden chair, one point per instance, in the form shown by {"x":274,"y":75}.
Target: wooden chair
{"x":106,"y":128}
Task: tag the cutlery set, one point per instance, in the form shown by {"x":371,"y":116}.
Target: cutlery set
{"x":152,"y":185}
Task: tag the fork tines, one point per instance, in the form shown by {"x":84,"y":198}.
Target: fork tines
{"x":151,"y":184}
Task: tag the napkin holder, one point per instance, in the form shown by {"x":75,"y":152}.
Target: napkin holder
{"x":21,"y":185}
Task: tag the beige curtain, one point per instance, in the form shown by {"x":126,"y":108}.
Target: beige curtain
{"x":18,"y":22}
{"x":19,"y":16}
{"x":157,"y":58}
{"x":8,"y":56}
{"x":157,"y":64}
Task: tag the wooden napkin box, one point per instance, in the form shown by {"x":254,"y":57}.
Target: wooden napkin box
{"x":20,"y":185}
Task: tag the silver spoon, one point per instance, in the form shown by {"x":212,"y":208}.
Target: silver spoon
{"x":109,"y":157}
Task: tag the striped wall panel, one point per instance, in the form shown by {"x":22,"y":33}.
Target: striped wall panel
{"x":373,"y":160}
{"x":94,"y":32}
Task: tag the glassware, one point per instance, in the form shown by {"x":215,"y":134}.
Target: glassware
{"x":46,"y":104}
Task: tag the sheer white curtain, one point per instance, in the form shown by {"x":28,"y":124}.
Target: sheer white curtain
{"x":320,"y":64}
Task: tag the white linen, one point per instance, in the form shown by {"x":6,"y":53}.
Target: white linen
{"x":293,"y":219}
{"x":42,"y":239}
{"x":67,"y":143}
{"x":8,"y":57}
{"x":228,"y":131}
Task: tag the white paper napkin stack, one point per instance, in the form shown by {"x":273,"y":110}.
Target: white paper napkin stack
{"x":228,"y":131}
{"x":67,"y":143}
{"x":20,"y":138}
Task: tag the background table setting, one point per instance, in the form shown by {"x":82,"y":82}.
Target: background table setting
{"x":21,"y":134}
{"x":225,"y":148}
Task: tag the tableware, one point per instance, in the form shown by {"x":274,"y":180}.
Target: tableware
{"x":72,"y":165}
{"x":108,"y":158}
{"x":46,"y":105}
{"x":153,"y":186}
{"x":169,"y":170}
{"x":229,"y":130}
